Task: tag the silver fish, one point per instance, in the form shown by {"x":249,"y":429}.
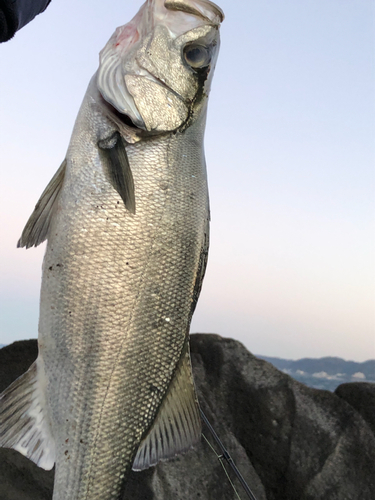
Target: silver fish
{"x":126,"y":217}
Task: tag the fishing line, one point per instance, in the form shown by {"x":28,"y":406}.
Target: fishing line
{"x":220,"y":457}
{"x":225,"y":455}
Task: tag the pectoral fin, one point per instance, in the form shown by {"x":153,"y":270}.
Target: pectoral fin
{"x":23,"y":423}
{"x":177,"y":426}
{"x":36,"y":229}
{"x":120,"y":174}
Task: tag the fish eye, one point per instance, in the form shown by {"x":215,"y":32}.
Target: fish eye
{"x":197,"y":56}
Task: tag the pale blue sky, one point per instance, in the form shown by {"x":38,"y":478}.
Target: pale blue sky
{"x":290,"y":154}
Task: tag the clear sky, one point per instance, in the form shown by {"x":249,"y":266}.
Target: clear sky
{"x":290,"y":154}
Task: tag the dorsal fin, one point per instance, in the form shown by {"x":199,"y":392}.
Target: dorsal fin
{"x":177,"y":426}
{"x":36,"y":229}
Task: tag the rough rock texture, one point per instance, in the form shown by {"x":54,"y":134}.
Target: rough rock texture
{"x":289,"y":441}
{"x":361,"y":395}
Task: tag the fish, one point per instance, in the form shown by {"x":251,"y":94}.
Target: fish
{"x":126,"y":219}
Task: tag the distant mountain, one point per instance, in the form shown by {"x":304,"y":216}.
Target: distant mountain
{"x":325,"y":373}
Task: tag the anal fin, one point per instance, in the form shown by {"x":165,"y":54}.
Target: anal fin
{"x":177,"y":426}
{"x":23,"y":423}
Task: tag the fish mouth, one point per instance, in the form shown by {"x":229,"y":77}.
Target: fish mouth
{"x":205,"y":9}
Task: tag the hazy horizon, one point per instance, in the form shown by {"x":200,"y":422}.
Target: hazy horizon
{"x":290,"y":158}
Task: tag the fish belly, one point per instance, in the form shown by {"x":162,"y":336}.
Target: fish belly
{"x":116,"y":303}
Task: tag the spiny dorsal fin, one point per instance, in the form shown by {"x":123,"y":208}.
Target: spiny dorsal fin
{"x":114,"y":153}
{"x":177,"y":426}
{"x":36,"y":229}
{"x":23,"y":423}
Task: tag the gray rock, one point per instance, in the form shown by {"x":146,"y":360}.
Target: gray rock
{"x":289,"y":441}
{"x":361,"y":395}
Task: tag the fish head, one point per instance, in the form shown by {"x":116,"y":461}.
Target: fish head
{"x":157,"y":69}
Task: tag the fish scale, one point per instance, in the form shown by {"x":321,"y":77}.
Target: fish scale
{"x":126,"y":217}
{"x":168,"y":228}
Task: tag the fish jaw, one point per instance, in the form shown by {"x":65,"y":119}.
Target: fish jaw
{"x":145,"y":57}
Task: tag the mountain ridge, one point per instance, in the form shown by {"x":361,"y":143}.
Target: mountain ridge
{"x":325,"y":373}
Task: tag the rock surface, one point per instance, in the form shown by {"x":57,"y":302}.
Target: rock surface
{"x":289,"y":441}
{"x":361,"y":395}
